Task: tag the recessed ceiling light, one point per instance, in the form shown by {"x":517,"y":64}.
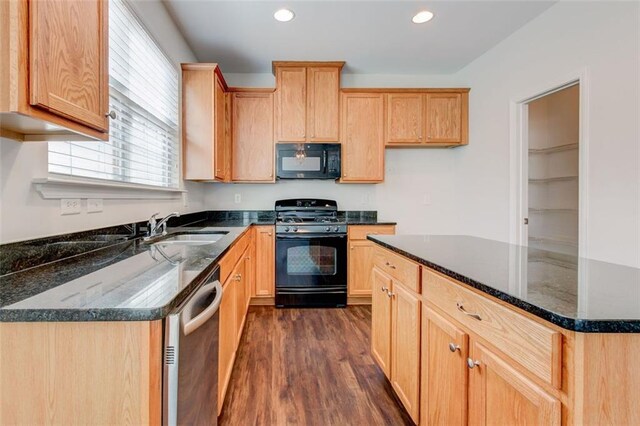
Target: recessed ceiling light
{"x":284,"y":15}
{"x":422,"y":17}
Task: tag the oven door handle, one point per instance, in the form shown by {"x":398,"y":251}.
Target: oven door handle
{"x":308,"y":236}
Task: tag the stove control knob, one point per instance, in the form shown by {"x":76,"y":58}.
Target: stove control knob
{"x":337,"y":228}
{"x":327,"y":229}
{"x":286,"y":229}
{"x":295,"y":229}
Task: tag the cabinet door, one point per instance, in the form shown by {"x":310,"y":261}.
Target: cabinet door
{"x":227,"y":338}
{"x":405,"y":348}
{"x":445,"y":117}
{"x":381,"y":320}
{"x":221,"y":151}
{"x":68,"y":59}
{"x":291,"y":84}
{"x":241,"y":297}
{"x":405,"y":118}
{"x":265,"y":262}
{"x":360,"y":265}
{"x":362,"y":137}
{"x":253,"y":157}
{"x":250,"y":270}
{"x":445,"y":349}
{"x":500,"y":395}
{"x":323,"y":100}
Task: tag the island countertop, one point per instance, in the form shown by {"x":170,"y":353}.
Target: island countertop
{"x":576,"y":294}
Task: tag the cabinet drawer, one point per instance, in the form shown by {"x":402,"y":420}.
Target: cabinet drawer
{"x":536,"y":347}
{"x":228,"y":262}
{"x":399,"y":268}
{"x":360,"y":232}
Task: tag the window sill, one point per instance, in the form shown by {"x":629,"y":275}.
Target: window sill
{"x":54,"y":187}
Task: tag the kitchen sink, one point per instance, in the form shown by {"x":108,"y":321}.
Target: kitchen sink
{"x":193,"y":239}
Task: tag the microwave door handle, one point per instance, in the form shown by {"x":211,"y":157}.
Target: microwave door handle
{"x":324,"y":160}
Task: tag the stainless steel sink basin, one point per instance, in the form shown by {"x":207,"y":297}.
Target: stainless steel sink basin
{"x":192,"y":239}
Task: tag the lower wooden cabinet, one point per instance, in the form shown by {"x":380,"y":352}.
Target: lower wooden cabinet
{"x":405,"y":347}
{"x":500,"y":395}
{"x":264,"y":285}
{"x":445,"y":349}
{"x":360,"y":259}
{"x":395,"y":337}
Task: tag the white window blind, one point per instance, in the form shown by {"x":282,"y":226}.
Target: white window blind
{"x":143,"y":143}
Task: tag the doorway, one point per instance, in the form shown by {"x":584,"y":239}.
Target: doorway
{"x":552,"y":157}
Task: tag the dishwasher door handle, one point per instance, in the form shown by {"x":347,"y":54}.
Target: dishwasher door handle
{"x":191,"y":324}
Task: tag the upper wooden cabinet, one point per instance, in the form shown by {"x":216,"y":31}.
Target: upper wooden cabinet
{"x":307,"y":101}
{"x":428,"y":118}
{"x":204,"y":135}
{"x":54,"y":80}
{"x":252,"y":137}
{"x":362,"y":137}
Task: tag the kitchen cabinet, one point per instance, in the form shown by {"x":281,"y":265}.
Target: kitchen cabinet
{"x":381,"y":320}
{"x":443,"y":383}
{"x":362,"y":137}
{"x":405,"y":347}
{"x":54,"y":80}
{"x":360,"y":260}
{"x":240,"y":282}
{"x":500,"y":395}
{"x":227,"y":337}
{"x":307,"y":101}
{"x":395,"y":332}
{"x":264,"y":286}
{"x":427,"y":117}
{"x":204,"y":123}
{"x":252,"y":137}
{"x":405,"y":118}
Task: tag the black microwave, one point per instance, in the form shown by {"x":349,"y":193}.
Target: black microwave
{"x":308,"y":161}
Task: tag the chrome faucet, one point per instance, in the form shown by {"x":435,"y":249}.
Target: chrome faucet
{"x":154,"y":225}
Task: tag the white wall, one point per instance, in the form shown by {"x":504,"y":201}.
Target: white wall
{"x":601,"y":38}
{"x":25,"y":215}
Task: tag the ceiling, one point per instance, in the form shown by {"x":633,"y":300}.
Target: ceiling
{"x":374,"y":37}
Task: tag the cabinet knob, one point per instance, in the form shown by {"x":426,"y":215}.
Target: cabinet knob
{"x":111,"y":114}
{"x":453,"y":347}
{"x":385,"y":289}
{"x":472,"y":364}
{"x":390,"y":294}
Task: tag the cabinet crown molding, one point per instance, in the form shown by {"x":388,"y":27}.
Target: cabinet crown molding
{"x":282,"y":64}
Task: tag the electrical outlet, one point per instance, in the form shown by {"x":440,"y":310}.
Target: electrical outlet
{"x":237,"y":198}
{"x":70,"y":206}
{"x":426,"y":200}
{"x":94,"y":205}
{"x":185,"y":199}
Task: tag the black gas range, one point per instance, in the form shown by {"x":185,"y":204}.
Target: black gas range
{"x":311,"y":254}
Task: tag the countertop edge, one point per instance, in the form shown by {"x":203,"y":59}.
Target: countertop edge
{"x":570,"y":324}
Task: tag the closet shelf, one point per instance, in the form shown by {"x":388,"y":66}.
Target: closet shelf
{"x":554,"y":179}
{"x":554,"y":149}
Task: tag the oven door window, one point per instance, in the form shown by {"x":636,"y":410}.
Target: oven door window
{"x":312,"y":260}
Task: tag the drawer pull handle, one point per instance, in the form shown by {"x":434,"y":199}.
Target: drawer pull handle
{"x":453,"y":347}
{"x":390,"y":265}
{"x":472,"y":364}
{"x":464,"y":311}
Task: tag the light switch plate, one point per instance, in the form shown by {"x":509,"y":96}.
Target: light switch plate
{"x":70,"y":206}
{"x":94,"y":205}
{"x":237,"y":198}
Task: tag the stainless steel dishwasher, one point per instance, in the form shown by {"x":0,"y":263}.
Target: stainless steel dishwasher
{"x":190,"y":380}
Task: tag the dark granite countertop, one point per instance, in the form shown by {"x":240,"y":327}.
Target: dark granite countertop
{"x":582,"y":295}
{"x":126,"y":281}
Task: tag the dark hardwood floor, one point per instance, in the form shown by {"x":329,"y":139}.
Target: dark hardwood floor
{"x":309,"y":367}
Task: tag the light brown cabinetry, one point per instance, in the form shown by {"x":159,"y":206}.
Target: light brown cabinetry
{"x":362,"y":137}
{"x":252,"y":137}
{"x":264,"y":284}
{"x":307,"y":101}
{"x":427,"y":118}
{"x":381,"y":320}
{"x":500,"y":395}
{"x":54,"y":69}
{"x":204,"y":123}
{"x":227,"y":338}
{"x":360,"y":260}
{"x":443,"y":383}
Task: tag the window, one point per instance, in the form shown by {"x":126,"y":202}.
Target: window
{"x":143,"y":143}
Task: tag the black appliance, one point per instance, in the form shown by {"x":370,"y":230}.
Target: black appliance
{"x":311,"y":254}
{"x":308,"y":161}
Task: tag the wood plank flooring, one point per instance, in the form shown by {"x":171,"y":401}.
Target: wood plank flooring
{"x":309,"y":367}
